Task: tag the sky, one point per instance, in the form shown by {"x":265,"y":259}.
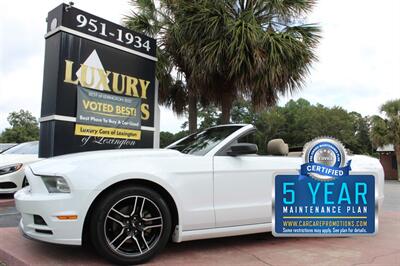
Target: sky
{"x":358,"y":67}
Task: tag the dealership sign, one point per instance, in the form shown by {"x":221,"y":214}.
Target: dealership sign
{"x":324,"y":199}
{"x":99,"y":89}
{"x":104,"y":115}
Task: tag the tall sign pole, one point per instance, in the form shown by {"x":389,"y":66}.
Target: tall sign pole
{"x":99,"y":87}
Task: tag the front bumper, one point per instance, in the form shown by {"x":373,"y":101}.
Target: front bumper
{"x":14,"y":178}
{"x":48,"y":206}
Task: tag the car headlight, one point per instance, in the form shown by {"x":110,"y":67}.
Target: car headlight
{"x":10,"y":168}
{"x":56,"y":184}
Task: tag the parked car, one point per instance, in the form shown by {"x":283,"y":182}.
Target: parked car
{"x":6,"y":146}
{"x":12,"y":162}
{"x":130,"y":203}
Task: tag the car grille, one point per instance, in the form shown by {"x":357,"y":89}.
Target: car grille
{"x":37,"y":219}
{"x":41,"y":231}
{"x":42,"y":225}
{"x":7,"y":185}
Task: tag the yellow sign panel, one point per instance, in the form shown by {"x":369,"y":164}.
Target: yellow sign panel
{"x":107,"y":132}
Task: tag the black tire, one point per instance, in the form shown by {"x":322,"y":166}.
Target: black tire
{"x":140,"y":243}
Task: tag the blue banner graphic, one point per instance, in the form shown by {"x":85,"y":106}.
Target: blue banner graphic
{"x":309,"y":207}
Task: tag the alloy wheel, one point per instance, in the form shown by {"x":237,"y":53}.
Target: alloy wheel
{"x":133,"y":226}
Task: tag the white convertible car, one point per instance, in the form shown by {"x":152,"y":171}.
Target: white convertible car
{"x":129,"y":203}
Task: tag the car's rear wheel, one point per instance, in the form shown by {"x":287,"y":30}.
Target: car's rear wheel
{"x":130,"y":225}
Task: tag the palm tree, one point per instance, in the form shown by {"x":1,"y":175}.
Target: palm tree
{"x":158,"y":22}
{"x":256,"y":49}
{"x":387,"y":130}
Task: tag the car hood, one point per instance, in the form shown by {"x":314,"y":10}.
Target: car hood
{"x":7,"y":159}
{"x":56,"y":163}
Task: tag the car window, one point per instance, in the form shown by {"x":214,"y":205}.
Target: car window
{"x":6,"y":146}
{"x":24,"y":148}
{"x":202,"y":142}
{"x":249,"y":138}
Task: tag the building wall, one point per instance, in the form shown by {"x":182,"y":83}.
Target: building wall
{"x":387,"y":160}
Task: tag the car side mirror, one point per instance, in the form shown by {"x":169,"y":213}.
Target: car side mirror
{"x":243,"y":148}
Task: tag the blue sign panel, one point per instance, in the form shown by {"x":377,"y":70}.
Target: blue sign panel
{"x":304,"y":206}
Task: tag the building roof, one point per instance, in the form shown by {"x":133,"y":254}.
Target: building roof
{"x":385,"y":148}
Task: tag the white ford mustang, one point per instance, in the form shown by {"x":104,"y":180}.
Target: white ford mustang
{"x":129,"y":203}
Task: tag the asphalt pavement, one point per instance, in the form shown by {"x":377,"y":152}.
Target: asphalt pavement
{"x":9,"y":216}
{"x":392,"y":196}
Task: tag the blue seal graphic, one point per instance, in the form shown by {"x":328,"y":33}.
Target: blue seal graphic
{"x":325,"y":160}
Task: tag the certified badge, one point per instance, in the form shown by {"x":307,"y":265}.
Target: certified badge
{"x":324,"y":159}
{"x":323,"y":198}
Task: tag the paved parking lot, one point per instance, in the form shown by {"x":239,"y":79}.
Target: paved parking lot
{"x":392,"y":196}
{"x":260,"y":249}
{"x":9,"y":216}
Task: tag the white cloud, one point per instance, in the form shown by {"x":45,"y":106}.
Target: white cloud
{"x":21,"y":88}
{"x":358,"y":68}
{"x":22,"y":29}
{"x":169,"y":121}
{"x":359,"y":55}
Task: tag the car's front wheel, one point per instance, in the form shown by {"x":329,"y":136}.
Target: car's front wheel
{"x":130,"y":225}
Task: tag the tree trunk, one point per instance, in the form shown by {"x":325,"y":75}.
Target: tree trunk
{"x":397,"y":152}
{"x":192,"y":113}
{"x":226,"y":107}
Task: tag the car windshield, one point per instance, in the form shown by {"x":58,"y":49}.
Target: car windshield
{"x":24,"y":148}
{"x":6,"y":146}
{"x":202,"y":142}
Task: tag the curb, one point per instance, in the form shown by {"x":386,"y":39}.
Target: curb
{"x":7,"y":203}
